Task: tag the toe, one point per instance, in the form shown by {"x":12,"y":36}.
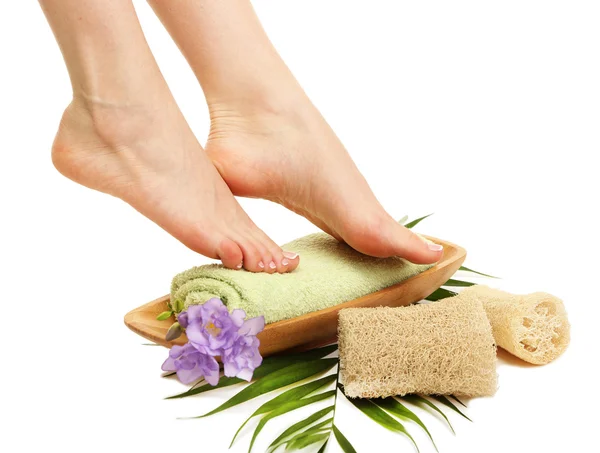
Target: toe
{"x":265,"y":256}
{"x":386,"y":237}
{"x":279,"y":262}
{"x":290,"y":260}
{"x":413,"y":247}
{"x":253,"y":260}
{"x":230,"y":254}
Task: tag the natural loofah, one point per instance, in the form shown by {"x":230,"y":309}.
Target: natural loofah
{"x":442,"y":348}
{"x":533,"y":327}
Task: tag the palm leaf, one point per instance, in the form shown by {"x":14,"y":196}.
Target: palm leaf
{"x":290,"y":395}
{"x":459,"y":283}
{"x":396,"y":408}
{"x":378,"y":415}
{"x":319,"y":428}
{"x":303,"y":442}
{"x":298,"y":426}
{"x":466,"y":269}
{"x":342,"y":441}
{"x":446,"y":402}
{"x":276,"y":380}
{"x":324,"y":446}
{"x":269,"y":365}
{"x":287,"y":407}
{"x":418,"y":400}
{"x":417,"y":221}
{"x":458,"y":401}
{"x":439,"y":294}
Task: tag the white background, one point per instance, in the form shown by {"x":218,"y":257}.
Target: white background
{"x":486,"y":113}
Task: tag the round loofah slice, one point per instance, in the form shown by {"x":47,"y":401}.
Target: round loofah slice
{"x":442,"y":348}
{"x":533,"y":327}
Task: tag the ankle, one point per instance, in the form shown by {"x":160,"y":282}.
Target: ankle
{"x":114,"y":123}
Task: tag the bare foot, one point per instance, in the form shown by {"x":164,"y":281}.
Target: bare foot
{"x":292,"y":157}
{"x":152,"y":160}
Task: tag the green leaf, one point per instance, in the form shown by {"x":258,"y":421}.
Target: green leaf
{"x":439,"y":294}
{"x":317,"y":429}
{"x":164,"y":315}
{"x":398,"y":409}
{"x":463,"y":268}
{"x":287,"y":407}
{"x":303,"y":442}
{"x":453,"y":282}
{"x":378,"y":415}
{"x":276,"y":380}
{"x":342,"y":441}
{"x":269,"y":365}
{"x":324,"y":446}
{"x":418,"y":400}
{"x":290,"y":395}
{"x":446,"y":402}
{"x":458,"y":401}
{"x":298,"y":426}
{"x":417,"y":221}
{"x":403,"y":219}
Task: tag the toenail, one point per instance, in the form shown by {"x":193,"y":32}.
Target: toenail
{"x":272,"y":265}
{"x":435,"y":247}
{"x":290,"y":255}
{"x":261,"y":265}
{"x":284,"y":262}
{"x":239,"y":266}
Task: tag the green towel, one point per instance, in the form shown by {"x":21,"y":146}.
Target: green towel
{"x":330,"y":273}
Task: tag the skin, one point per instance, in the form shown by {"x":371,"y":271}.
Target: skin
{"x":123,"y":134}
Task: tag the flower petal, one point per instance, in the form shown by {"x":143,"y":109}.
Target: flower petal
{"x":212,"y":376}
{"x":245,"y":374}
{"x":168,"y":365}
{"x":230,"y":369}
{"x":189,"y":376}
{"x":237,"y":317}
{"x":253,"y":326}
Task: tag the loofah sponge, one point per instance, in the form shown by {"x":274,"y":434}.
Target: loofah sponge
{"x":533,"y":327}
{"x":444,"y":347}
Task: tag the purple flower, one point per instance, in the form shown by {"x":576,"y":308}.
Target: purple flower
{"x":182,"y":319}
{"x":212,"y":327}
{"x":243,"y":358}
{"x":191,"y":364}
{"x":213,"y":331}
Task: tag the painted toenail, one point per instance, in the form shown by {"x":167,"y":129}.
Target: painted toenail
{"x":290,"y":255}
{"x":435,"y":247}
{"x":272,"y":265}
{"x":261,"y":265}
{"x":239,"y":266}
{"x":284,"y":262}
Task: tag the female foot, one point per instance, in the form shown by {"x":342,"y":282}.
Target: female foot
{"x":267,"y":139}
{"x":292,"y":157}
{"x":123,"y":134}
{"x":152,"y":160}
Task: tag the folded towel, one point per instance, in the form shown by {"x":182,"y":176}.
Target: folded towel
{"x":329,"y":273}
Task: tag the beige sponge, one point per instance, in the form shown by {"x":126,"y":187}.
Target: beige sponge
{"x":533,"y":327}
{"x":443,"y":347}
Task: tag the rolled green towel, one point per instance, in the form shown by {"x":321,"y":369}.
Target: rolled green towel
{"x":330,"y":273}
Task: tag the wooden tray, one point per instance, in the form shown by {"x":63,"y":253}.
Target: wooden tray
{"x":319,"y":327}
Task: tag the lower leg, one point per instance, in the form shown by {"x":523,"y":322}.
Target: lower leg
{"x":263,"y":121}
{"x":123,"y":134}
